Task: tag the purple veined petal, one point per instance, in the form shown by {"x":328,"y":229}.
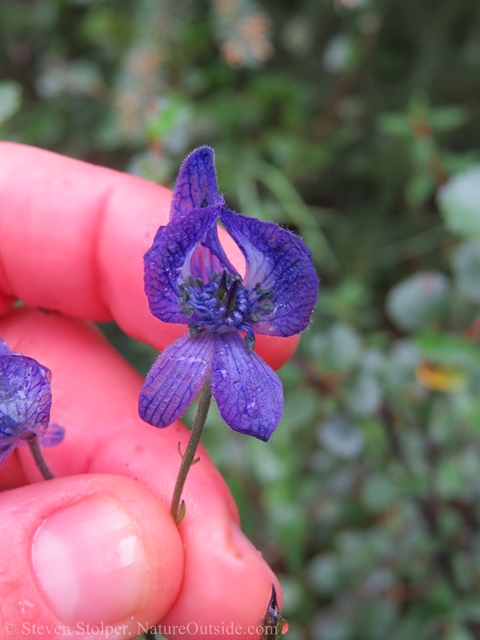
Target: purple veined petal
{"x":9,"y":429}
{"x":196,"y":185}
{"x":280,"y":261}
{"x":53,"y":435}
{"x":4,"y":349}
{"x":248,"y":392}
{"x":25,"y":396}
{"x":213,"y":243}
{"x":209,"y":257}
{"x":5,"y":452}
{"x":175,"y":379}
{"x":168,"y":261}
{"x":203,"y":263}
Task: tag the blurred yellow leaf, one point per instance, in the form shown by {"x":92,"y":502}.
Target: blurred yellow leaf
{"x":440,"y":377}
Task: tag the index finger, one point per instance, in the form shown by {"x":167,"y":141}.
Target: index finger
{"x":72,"y":239}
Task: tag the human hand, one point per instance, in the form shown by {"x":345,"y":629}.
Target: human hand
{"x":88,"y":547}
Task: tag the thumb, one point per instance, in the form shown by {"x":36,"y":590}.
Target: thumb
{"x":95,"y":556}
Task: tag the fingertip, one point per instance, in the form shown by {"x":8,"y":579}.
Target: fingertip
{"x":11,"y":473}
{"x":88,"y":550}
{"x":132,"y":215}
{"x":221,"y":562}
{"x":232,"y":577}
{"x":276,"y":351}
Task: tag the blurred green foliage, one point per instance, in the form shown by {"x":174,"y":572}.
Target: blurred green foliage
{"x":356,"y":124}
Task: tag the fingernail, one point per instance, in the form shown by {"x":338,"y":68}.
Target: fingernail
{"x":91,"y":562}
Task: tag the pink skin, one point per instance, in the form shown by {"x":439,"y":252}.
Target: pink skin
{"x":72,"y":237}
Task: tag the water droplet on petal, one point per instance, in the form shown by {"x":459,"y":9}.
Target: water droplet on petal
{"x":252,"y":411}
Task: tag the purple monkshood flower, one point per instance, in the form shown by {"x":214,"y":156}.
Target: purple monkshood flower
{"x":189,"y":280}
{"x":25,"y":401}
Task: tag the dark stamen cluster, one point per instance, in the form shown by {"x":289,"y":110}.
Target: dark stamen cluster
{"x":223,"y":305}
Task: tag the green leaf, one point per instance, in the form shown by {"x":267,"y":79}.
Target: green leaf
{"x":325,"y":573}
{"x":338,"y":349}
{"x":414,"y":302}
{"x":10,"y":99}
{"x":329,"y":626}
{"x":457,"y":631}
{"x":299,"y":409}
{"x":419,"y":188}
{"x":459,"y":202}
{"x":467,"y":407}
{"x":347,"y":300}
{"x":466,"y":266}
{"x":394,"y":124}
{"x":450,"y":480}
{"x":365,"y":395}
{"x":338,"y":55}
{"x":173,"y":113}
{"x":448,"y":118}
{"x":293,"y":594}
{"x":341,"y":437}
{"x":378,"y":492}
{"x":447,"y":349}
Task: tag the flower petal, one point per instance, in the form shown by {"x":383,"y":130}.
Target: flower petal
{"x":209,"y":257}
{"x":168,"y":259}
{"x":25,"y":398}
{"x":196,"y":188}
{"x":5,"y":452}
{"x":196,"y":185}
{"x":4,"y":350}
{"x":248,"y":392}
{"x":54,"y":435}
{"x":280,"y":261}
{"x":175,"y":379}
{"x":203,"y":263}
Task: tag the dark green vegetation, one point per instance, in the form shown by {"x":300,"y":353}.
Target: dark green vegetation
{"x":355,"y":123}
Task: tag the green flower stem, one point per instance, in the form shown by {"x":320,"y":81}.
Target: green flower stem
{"x":34,"y":444}
{"x":189,"y":455}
